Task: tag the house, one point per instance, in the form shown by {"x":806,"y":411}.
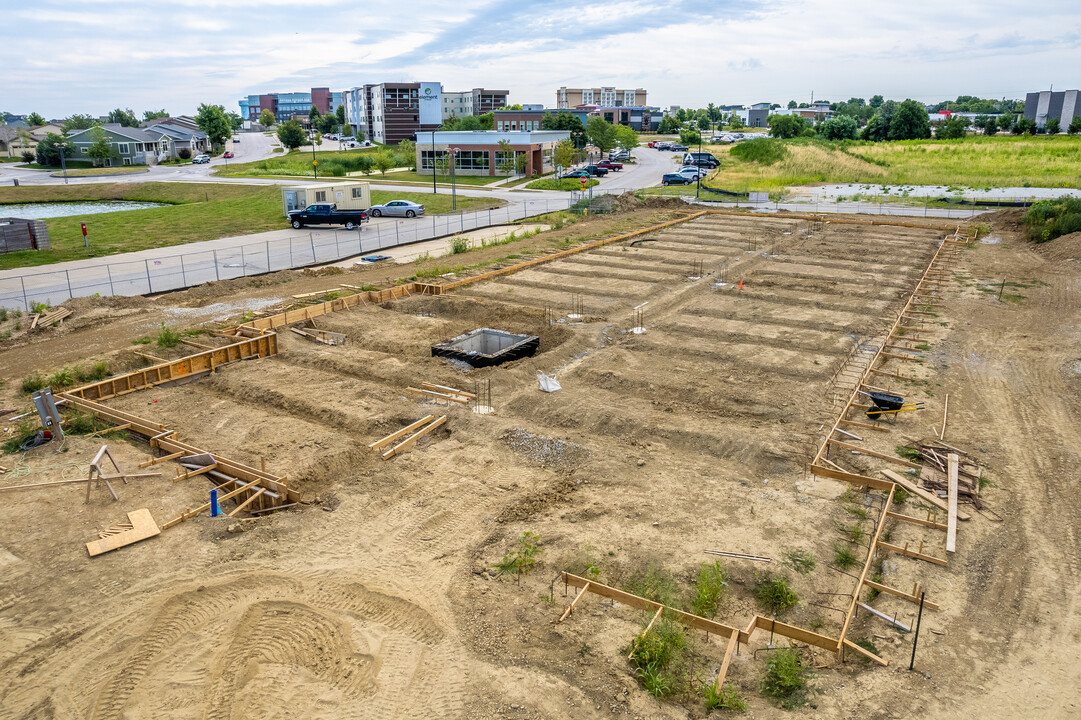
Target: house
{"x":130,"y":146}
{"x":183,"y":138}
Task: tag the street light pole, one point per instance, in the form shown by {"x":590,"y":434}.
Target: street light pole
{"x":434,"y":165}
{"x":453,"y":189}
{"x":63,"y":153}
{"x":315,"y":163}
{"x":698,"y":163}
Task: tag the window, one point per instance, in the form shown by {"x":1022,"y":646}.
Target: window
{"x":426,"y":158}
{"x":504,"y":161}
{"x":471,"y":160}
{"x":84,"y":150}
{"x":122,"y":148}
{"x":320,"y":195}
{"x":358,"y":193}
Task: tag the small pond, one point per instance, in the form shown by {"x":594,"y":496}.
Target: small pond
{"x":40,"y":211}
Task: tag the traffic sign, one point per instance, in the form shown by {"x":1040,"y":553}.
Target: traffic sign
{"x":584,"y":181}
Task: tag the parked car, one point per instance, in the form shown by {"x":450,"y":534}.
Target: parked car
{"x":662,"y":145}
{"x":701,"y":159}
{"x":675,"y":179}
{"x":236,"y":139}
{"x":621,"y":155}
{"x":676,"y":147}
{"x":327,"y":214}
{"x":574,"y":175}
{"x":609,"y":165}
{"x":595,"y":170}
{"x":692,"y":172}
{"x":200,"y":159}
{"x":398,"y":208}
{"x":227,"y":155}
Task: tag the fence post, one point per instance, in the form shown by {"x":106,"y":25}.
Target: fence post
{"x":268,"y":256}
{"x":26,"y":303}
{"x":109,"y":272}
{"x":149,"y":285}
{"x":67,"y":275}
{"x":183,"y":272}
{"x":243,"y":262}
{"x":217,"y":274}
{"x":311,"y":239}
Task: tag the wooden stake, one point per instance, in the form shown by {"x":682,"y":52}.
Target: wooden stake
{"x":951,"y":520}
{"x":570,"y":608}
{"x":733,"y":640}
{"x":412,"y":439}
{"x":247,"y":502}
{"x":945,"y":409}
{"x":163,"y":458}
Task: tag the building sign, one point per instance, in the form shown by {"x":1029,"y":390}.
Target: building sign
{"x":430,"y":99}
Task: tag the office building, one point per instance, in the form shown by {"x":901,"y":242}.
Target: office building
{"x":479,"y":152}
{"x":388,"y":113}
{"x":567,"y":98}
{"x":286,"y":105}
{"x":1042,"y":106}
{"x":477,"y":101}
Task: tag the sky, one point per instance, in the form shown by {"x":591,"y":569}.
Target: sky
{"x":90,"y":56}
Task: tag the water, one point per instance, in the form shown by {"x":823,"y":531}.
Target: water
{"x":40,"y":211}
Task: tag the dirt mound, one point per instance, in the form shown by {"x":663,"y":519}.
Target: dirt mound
{"x":1066,"y":247}
{"x":1007,"y":220}
{"x":629,"y":201}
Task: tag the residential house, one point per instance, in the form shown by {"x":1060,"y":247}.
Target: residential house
{"x":131,"y":146}
{"x":183,"y":138}
{"x":181,"y":121}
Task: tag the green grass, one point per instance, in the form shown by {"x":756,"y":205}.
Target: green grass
{"x":775,"y":595}
{"x":725,"y":698}
{"x":562,"y":184}
{"x":711,"y":588}
{"x":412,"y":177}
{"x":843,"y":557}
{"x":194,"y":212}
{"x":801,"y":561}
{"x":975,"y":162}
{"x":299,"y":164}
{"x":786,"y":679}
{"x":122,"y":170}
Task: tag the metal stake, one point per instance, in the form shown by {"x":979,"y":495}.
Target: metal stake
{"x":916,"y":639}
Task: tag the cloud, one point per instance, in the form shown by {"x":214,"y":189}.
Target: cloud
{"x":94,"y":55}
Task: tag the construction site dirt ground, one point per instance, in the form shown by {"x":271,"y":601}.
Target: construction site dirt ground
{"x":378,"y":596}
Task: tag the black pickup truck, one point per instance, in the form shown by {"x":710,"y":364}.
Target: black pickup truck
{"x":327,"y":214}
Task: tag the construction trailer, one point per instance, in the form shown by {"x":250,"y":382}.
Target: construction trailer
{"x":346,"y":195}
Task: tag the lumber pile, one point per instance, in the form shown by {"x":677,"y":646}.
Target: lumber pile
{"x":48,"y":318}
{"x":934,"y":475}
{"x":419,"y":429}
{"x":442,"y":392}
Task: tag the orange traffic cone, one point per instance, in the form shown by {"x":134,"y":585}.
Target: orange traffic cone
{"x":741,"y":284}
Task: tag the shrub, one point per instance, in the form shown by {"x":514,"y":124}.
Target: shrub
{"x":99,"y":371}
{"x":654,"y":583}
{"x":711,"y":588}
{"x":762,"y":150}
{"x":560,"y":184}
{"x":62,"y":378}
{"x":33,"y":383}
{"x":724,"y":698}
{"x":168,"y":337}
{"x":786,"y":679}
{"x":657,"y":683}
{"x":657,"y":649}
{"x":899,"y":496}
{"x":184,"y":154}
{"x":1048,"y":219}
{"x":801,"y":561}
{"x":3,"y":314}
{"x":774,"y":594}
{"x":459,"y":245}
{"x":83,"y":423}
{"x":525,"y":557}
{"x":29,"y":156}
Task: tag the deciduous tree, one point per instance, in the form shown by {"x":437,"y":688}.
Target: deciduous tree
{"x":383,"y":162}
{"x":626,"y":137}
{"x":154,"y":114}
{"x":785,"y":126}
{"x":1052,"y":126}
{"x":125,"y":118}
{"x":266,"y":118}
{"x":79,"y":122}
{"x":565,"y":154}
{"x":910,"y":122}
{"x":290,"y":134}
{"x":842,"y":127}
{"x":212,"y":120}
{"x":600,"y":133}
{"x":49,"y":149}
{"x":34,"y":120}
{"x":1075,"y":125}
{"x":668,"y":125}
{"x":99,"y":150}
{"x":952,"y":128}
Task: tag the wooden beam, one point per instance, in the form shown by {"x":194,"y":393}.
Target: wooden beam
{"x":404,"y":431}
{"x":148,"y":356}
{"x":163,"y":458}
{"x":853,"y":478}
{"x":912,"y":598}
{"x":872,"y":453}
{"x":945,"y":409}
{"x":866,"y":569}
{"x":202,"y":508}
{"x":888,"y":374}
{"x":915,"y":489}
{"x":951,"y":518}
{"x":444,"y":388}
{"x":441,"y":396}
{"x":570,"y":608}
{"x":142,"y":527}
{"x":733,"y":640}
{"x":412,"y":439}
{"x":198,"y":345}
{"x":866,"y":653}
{"x":193,"y":473}
{"x":865,"y":426}
{"x":247,"y":502}
{"x":916,"y":520}
{"x":911,"y":553}
{"x":656,"y":617}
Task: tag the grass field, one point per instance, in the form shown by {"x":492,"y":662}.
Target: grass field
{"x":299,"y":164}
{"x":192,"y":216}
{"x":122,"y":170}
{"x":412,"y":177}
{"x":974,"y":162}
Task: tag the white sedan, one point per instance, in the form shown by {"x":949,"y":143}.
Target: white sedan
{"x":398,"y":208}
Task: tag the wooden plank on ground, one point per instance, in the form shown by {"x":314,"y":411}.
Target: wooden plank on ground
{"x":865,"y":426}
{"x":951,"y":518}
{"x":733,"y":640}
{"x":412,"y":439}
{"x":570,"y":608}
{"x":912,"y":598}
{"x":866,"y":653}
{"x":872,"y":453}
{"x":247,"y":502}
{"x":916,"y":520}
{"x":912,"y":553}
{"x":142,"y":527}
{"x":404,"y":431}
{"x":853,"y":478}
{"x":441,"y":396}
{"x":945,"y":409}
{"x":924,"y":495}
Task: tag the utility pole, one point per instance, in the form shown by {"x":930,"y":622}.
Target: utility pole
{"x":434,"y":166}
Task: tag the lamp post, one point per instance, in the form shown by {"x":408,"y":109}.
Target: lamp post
{"x":63,"y":147}
{"x":698,"y":164}
{"x":451,"y":152}
{"x":435,"y":167}
{"x":315,"y":163}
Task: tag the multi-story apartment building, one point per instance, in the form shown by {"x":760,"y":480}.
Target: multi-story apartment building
{"x":388,"y":113}
{"x":477,"y":101}
{"x":567,"y":98}
{"x":286,"y":105}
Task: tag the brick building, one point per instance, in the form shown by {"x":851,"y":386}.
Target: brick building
{"x":391,"y":112}
{"x":567,"y":98}
{"x":479,"y":152}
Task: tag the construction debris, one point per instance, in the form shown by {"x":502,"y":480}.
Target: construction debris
{"x":48,"y":318}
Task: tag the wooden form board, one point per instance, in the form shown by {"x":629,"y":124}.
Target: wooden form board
{"x":903,"y":550}
{"x":929,"y":497}
{"x":853,"y":478}
{"x":412,"y":439}
{"x":399,"y":433}
{"x":913,"y":597}
{"x":142,"y":527}
{"x":951,"y":518}
{"x":872,"y":453}
{"x":262,"y":346}
{"x":438,"y":395}
{"x":866,"y":568}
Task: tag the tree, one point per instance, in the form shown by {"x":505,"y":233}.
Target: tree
{"x":266,"y":118}
{"x":521,"y":161}
{"x":668,"y":125}
{"x":703,"y":123}
{"x":681,"y":115}
{"x":339,"y":113}
{"x":154,"y":114}
{"x":876,"y":101}
{"x":365,"y":164}
{"x":1024,"y":126}
{"x":34,"y":120}
{"x":49,"y":150}
{"x":1006,"y":121}
{"x":1052,"y":126}
{"x":504,"y":158}
{"x":469,"y":123}
{"x":235,"y":121}
{"x":565,"y":153}
{"x":487,"y":121}
{"x":714,"y":113}
{"x":126,"y":118}
{"x":785,"y":126}
{"x":383,"y":161}
{"x":690,"y":136}
{"x":326,"y":123}
{"x":290,"y":134}
{"x":79,"y":122}
{"x":952,"y":128}
{"x":212,"y":120}
{"x":313,"y":115}
{"x":910,"y":122}
{"x":407,"y":151}
{"x":100,"y":150}
{"x":563,"y":120}
{"x":626,"y":137}
{"x":842,"y":127}
{"x":7,"y":136}
{"x":1075,"y":125}
{"x":600,"y":133}
{"x":735,"y":122}
{"x":791,"y":104}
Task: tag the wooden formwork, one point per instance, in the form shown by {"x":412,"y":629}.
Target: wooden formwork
{"x":264,"y":344}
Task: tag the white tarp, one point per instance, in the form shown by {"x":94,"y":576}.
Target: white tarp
{"x":548,"y":384}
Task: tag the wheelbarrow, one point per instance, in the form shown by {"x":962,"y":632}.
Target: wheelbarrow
{"x":888,"y":404}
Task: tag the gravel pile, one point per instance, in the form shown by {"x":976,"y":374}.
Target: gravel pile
{"x":544,"y":450}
